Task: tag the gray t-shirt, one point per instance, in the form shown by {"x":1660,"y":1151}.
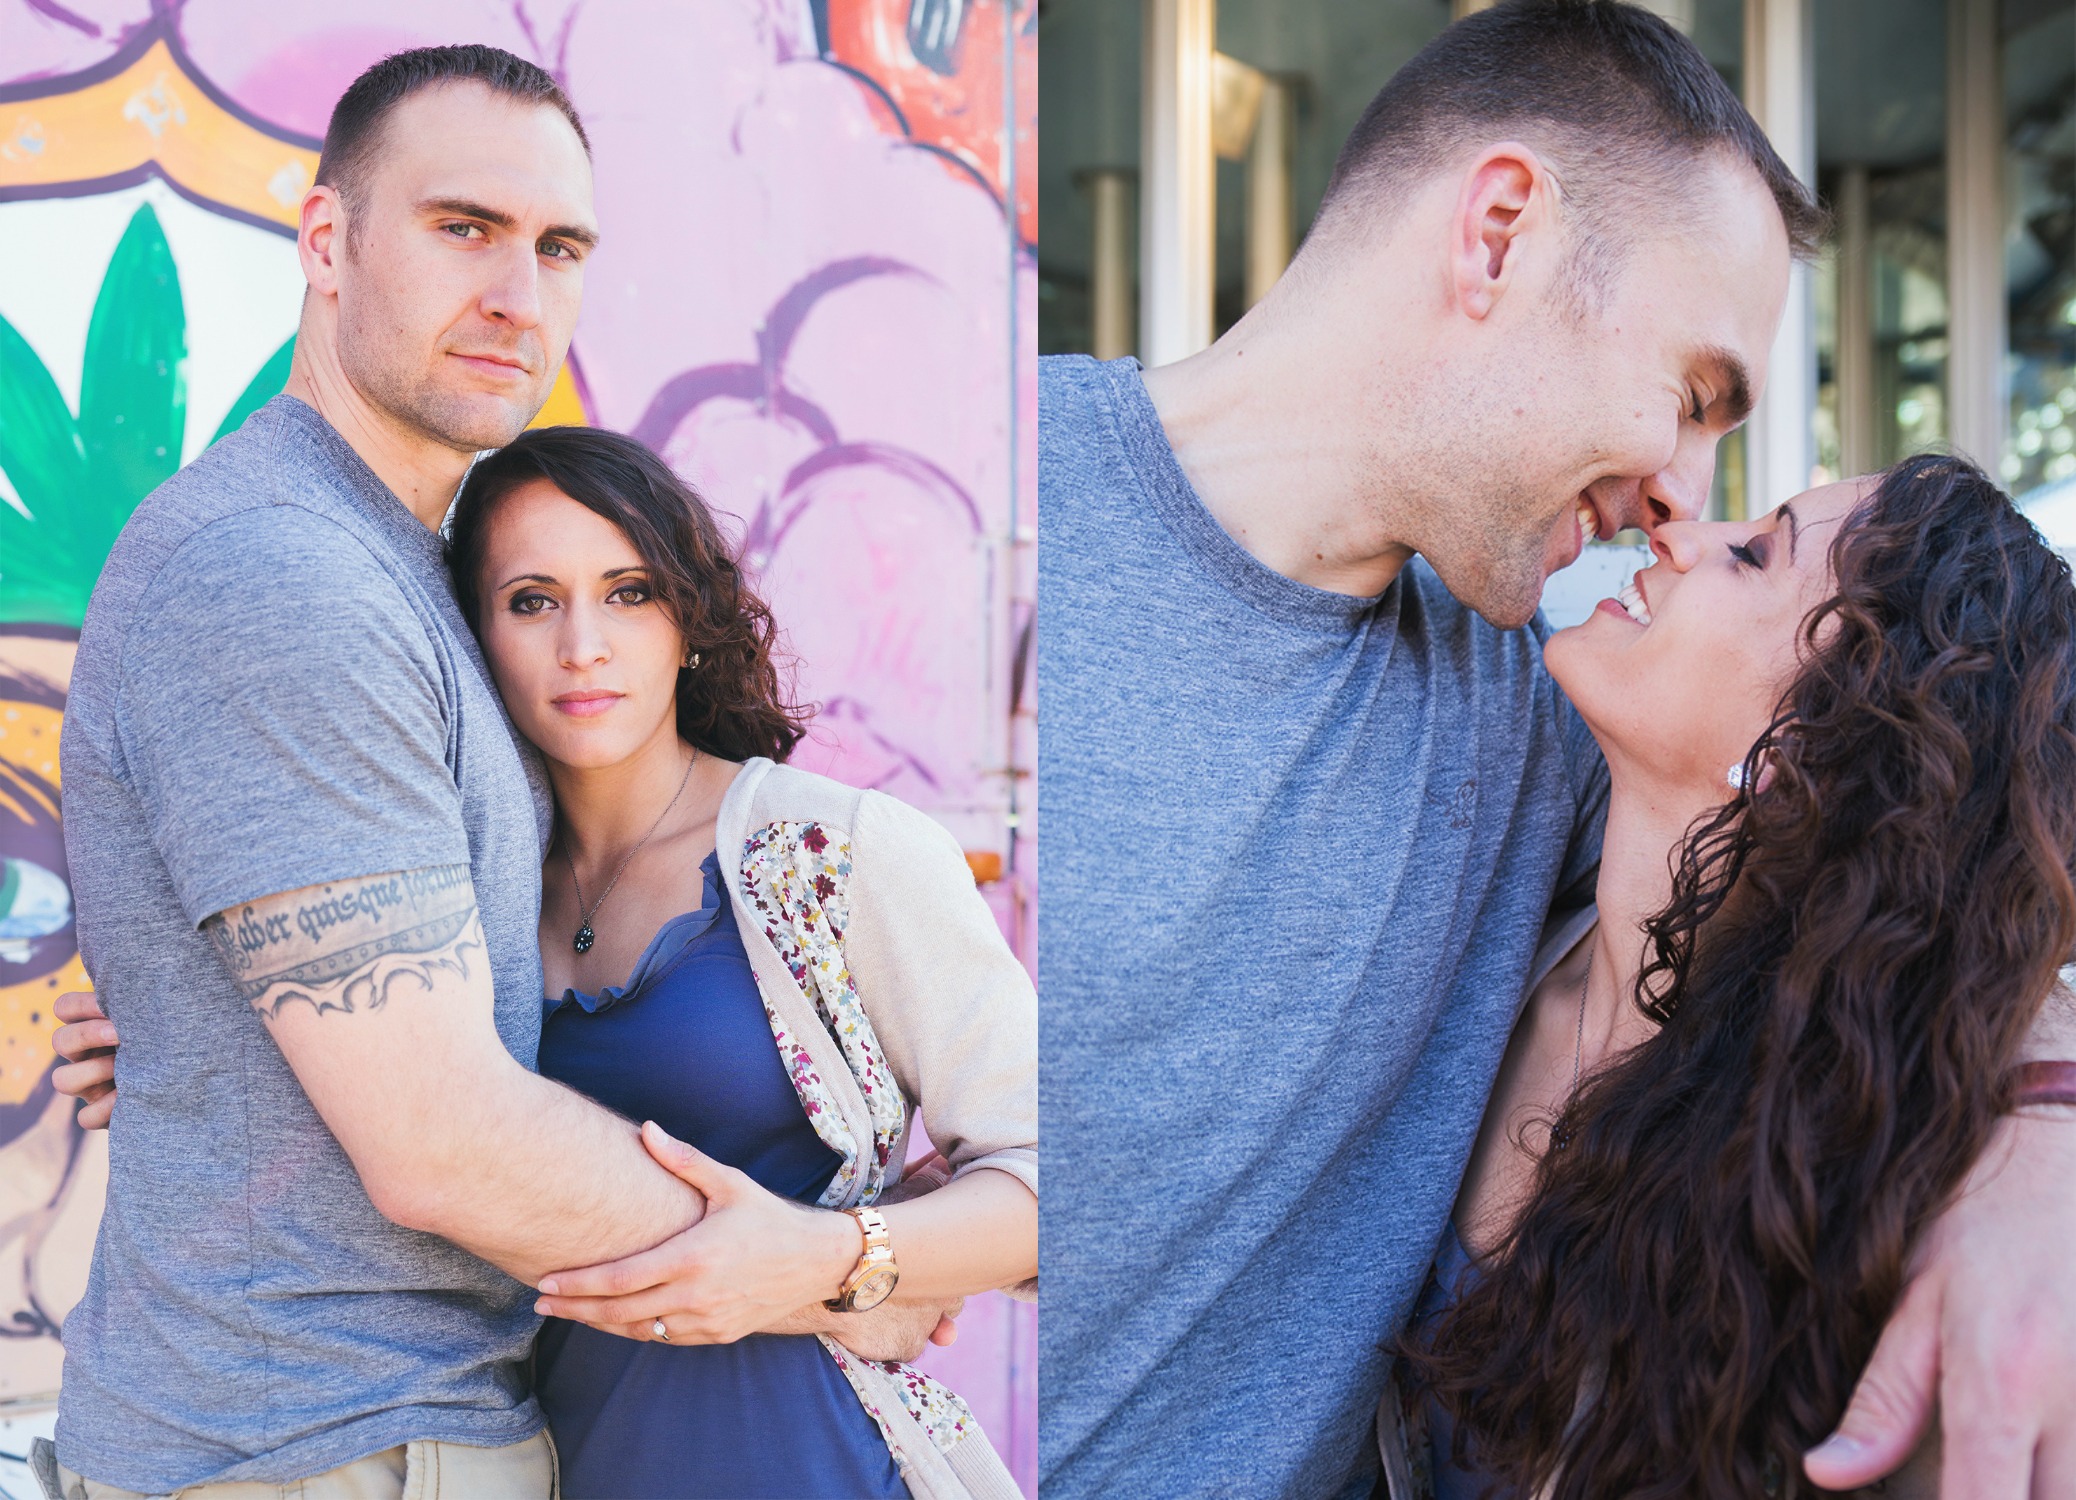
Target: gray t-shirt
{"x":1298,"y":851}
{"x":274,"y":689}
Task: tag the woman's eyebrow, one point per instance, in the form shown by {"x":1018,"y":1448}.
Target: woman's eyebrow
{"x":1787,"y":514}
{"x":529,"y":578}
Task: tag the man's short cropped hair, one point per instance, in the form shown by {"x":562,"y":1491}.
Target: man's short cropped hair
{"x":355,"y":131}
{"x":1620,"y":103}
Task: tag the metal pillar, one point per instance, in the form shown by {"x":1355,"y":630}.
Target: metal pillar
{"x":1780,"y":91}
{"x":1268,"y":190}
{"x":1976,"y":401}
{"x":1110,"y":261}
{"x":1178,"y":205}
{"x":1859,"y":447}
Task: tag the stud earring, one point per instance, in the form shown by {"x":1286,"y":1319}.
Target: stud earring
{"x":1737,"y":777}
{"x":691,"y":660}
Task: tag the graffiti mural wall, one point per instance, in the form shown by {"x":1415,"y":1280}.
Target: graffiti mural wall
{"x":813,"y":286}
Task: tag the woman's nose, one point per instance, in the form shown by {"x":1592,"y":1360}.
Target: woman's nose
{"x":583,"y":643}
{"x":1680,"y":543}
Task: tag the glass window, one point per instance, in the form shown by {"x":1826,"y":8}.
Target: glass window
{"x":1088,"y":111}
{"x":2039,"y":242}
{"x":1329,"y":58}
{"x":1881,"y":285}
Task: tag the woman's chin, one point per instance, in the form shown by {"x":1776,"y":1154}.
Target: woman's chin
{"x":1583,"y":662}
{"x":1570,"y":652}
{"x":577,"y":747}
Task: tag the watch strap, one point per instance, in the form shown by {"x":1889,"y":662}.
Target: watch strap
{"x":877,"y":1254}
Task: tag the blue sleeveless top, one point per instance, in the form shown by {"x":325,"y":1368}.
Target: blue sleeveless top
{"x":1454,"y":1274}
{"x":686,"y":1044}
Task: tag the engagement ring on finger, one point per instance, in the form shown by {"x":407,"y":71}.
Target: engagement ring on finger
{"x":660,"y":1331}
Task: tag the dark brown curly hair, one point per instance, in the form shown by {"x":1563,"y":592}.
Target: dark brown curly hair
{"x":734,"y":705}
{"x":1843,"y":976}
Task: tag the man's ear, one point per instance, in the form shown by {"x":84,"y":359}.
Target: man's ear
{"x":1505,"y":196}
{"x":320,"y":238}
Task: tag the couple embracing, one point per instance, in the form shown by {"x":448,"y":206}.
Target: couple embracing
{"x":474,"y":954}
{"x":1624,"y":1061}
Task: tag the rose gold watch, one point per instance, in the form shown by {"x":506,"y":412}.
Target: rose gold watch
{"x":872,"y":1280}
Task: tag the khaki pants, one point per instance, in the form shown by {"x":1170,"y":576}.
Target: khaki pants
{"x":423,"y":1470}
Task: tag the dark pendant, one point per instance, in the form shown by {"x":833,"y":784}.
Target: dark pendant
{"x":584,"y":939}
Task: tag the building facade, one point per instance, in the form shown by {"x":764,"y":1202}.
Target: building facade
{"x":1187,"y":144}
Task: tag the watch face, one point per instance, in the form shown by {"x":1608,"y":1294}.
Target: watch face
{"x":874,"y":1288}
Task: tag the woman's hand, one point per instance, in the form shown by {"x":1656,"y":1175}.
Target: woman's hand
{"x":750,"y":1264}
{"x":87,"y":1041}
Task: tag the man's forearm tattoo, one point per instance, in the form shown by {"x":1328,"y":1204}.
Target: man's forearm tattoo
{"x":346,"y":945}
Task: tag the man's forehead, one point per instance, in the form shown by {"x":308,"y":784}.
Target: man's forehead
{"x":466,"y":143}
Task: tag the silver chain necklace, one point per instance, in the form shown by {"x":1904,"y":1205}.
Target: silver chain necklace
{"x":585,"y":936}
{"x":1560,"y":1136}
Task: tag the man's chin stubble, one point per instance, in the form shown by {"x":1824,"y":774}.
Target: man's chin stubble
{"x":440,"y":415}
{"x":1504,"y":594}
{"x":455,"y":422}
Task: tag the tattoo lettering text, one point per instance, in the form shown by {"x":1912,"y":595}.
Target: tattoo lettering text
{"x":345,"y":946}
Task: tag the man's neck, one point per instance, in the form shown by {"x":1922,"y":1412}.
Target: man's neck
{"x":1287,"y":465}
{"x":422,"y":473}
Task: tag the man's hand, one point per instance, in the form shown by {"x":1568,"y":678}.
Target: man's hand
{"x":1987,"y":1331}
{"x":751,"y":1261}
{"x":87,"y":1042}
{"x":756,"y":1263}
{"x":895,"y":1332}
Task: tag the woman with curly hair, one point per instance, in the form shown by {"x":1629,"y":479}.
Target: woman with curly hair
{"x":1834,"y":897}
{"x":770,"y":969}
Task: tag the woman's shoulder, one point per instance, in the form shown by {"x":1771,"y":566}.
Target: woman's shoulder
{"x":857,"y":816}
{"x":787,"y":794}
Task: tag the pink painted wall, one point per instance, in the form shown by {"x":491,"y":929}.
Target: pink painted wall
{"x":811,"y":299}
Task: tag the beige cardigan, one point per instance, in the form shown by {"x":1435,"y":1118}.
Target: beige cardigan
{"x":889,"y":988}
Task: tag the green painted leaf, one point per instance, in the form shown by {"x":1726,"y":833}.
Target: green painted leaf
{"x":133,"y":388}
{"x":265,"y":386}
{"x":40,"y":564}
{"x":39,"y":445}
{"x":38,"y":583}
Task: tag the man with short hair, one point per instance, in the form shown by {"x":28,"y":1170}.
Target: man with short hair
{"x":306,"y":851}
{"x":1312,"y":798}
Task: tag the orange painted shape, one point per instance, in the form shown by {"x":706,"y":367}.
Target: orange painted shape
{"x":25,"y":1027}
{"x":29,"y":739}
{"x":961,"y":114}
{"x":564,"y":407}
{"x":153,"y":112}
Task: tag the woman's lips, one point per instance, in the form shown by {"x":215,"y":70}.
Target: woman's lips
{"x":1630,"y":604}
{"x":586,"y":705}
